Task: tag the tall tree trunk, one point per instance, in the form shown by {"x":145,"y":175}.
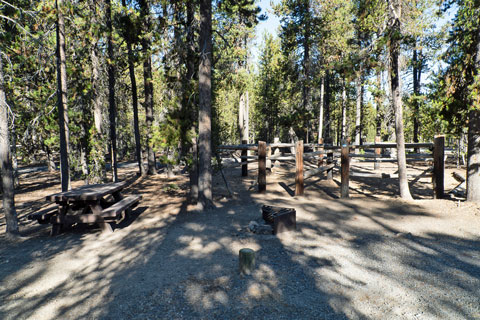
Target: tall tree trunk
{"x":16,"y":181}
{"x":416,"y":89}
{"x":358,"y":113}
{"x":241,"y":116}
{"x":8,"y":187}
{"x":473,"y":148}
{"x":344,"y":111}
{"x":378,"y":104}
{"x":62,"y":98}
{"x":205,"y":103}
{"x":307,"y":85}
{"x":327,"y":120}
{"x":111,"y":92}
{"x":417,"y":73}
{"x":133,"y":80}
{"x":97,"y":141}
{"x":247,"y":117}
{"x":473,"y":157}
{"x":148,"y":83}
{"x":193,"y":112}
{"x":320,"y":111}
{"x":395,"y":32}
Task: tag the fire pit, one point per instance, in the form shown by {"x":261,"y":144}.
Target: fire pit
{"x":282,"y":219}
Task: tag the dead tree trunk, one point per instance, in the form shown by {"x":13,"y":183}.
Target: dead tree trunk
{"x":320,"y":112}
{"x":358,"y":114}
{"x":62,"y":98}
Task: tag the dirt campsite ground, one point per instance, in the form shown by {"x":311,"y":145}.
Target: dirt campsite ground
{"x":372,"y":256}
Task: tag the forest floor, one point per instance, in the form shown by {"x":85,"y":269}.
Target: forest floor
{"x":373,"y":256}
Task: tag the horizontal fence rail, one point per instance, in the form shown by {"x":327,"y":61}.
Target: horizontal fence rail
{"x":326,"y":152}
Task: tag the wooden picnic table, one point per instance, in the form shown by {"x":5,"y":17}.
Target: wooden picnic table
{"x":87,"y":204}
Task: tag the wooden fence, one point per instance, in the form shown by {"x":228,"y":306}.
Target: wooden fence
{"x":327,"y":152}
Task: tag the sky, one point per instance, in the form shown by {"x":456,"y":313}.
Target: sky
{"x":270,"y":25}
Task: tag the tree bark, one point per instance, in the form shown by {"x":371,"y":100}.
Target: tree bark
{"x":193,"y":113}
{"x":344,"y":111}
{"x":473,"y":157}
{"x":307,"y":85}
{"x":97,"y":140}
{"x":133,"y":80}
{"x":417,"y":73}
{"x":395,"y":12}
{"x":205,"y":106}
{"x":320,"y":111}
{"x":473,"y":148}
{"x":327,"y":119}
{"x":62,"y":98}
{"x":111,"y":92}
{"x":148,"y":83}
{"x":8,"y":187}
{"x":241,"y":116}
{"x":358,"y":114}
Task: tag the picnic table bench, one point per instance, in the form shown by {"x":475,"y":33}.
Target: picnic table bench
{"x":87,"y":204}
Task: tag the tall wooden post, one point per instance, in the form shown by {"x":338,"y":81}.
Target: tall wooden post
{"x":320,"y":149}
{"x":378,"y":151}
{"x":269,"y":162}
{"x":244,"y":160}
{"x":262,"y":166}
{"x":299,"y":168}
{"x":345,"y":171}
{"x":438,"y":166}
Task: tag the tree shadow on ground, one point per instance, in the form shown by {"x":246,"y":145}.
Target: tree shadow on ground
{"x":347,"y":259}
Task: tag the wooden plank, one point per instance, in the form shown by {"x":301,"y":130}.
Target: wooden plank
{"x":120,"y":206}
{"x":44,"y":214}
{"x":314,"y":172}
{"x":244,"y":160}
{"x":262,"y":166}
{"x":299,"y":187}
{"x":88,"y":192}
{"x":384,"y":145}
{"x":438,"y":167}
{"x":238,"y":147}
{"x":345,"y":161}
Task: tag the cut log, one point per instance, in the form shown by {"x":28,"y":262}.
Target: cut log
{"x":246,"y":261}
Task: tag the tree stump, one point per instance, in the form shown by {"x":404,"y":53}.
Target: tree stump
{"x":246,"y":261}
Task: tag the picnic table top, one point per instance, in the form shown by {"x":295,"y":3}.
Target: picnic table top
{"x":88,"y":192}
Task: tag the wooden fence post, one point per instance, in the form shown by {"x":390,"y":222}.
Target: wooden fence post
{"x":438,"y":167}
{"x":299,"y":168}
{"x":376,"y":165}
{"x":320,"y":149}
{"x":345,"y":171}
{"x":244,"y":160}
{"x":262,"y":166}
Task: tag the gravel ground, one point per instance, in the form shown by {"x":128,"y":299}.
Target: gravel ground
{"x":369,"y":257}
